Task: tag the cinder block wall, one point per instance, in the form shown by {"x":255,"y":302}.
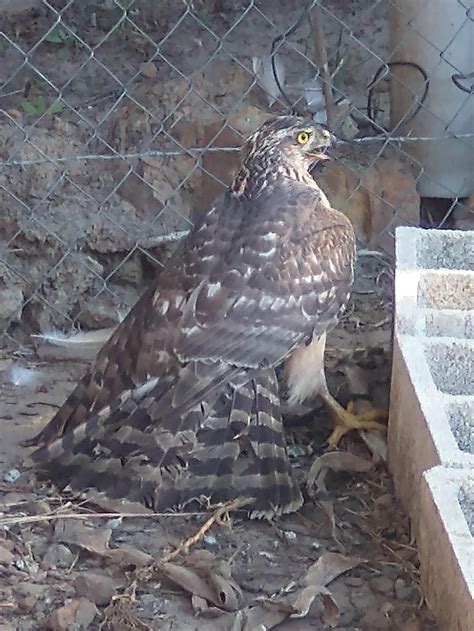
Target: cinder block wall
{"x":431,"y":424}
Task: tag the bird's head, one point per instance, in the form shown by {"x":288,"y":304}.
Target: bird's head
{"x":289,"y":145}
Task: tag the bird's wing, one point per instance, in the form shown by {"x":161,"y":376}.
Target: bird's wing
{"x":177,"y":389}
{"x":247,"y":288}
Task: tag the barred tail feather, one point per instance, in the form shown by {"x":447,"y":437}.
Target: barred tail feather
{"x":144,"y":449}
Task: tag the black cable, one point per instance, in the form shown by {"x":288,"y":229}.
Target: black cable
{"x":277,"y":39}
{"x":458,"y":77}
{"x":390,"y":64}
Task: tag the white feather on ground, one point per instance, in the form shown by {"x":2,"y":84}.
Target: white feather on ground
{"x":81,"y":345}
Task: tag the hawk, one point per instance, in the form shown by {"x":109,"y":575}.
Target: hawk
{"x":182,"y":405}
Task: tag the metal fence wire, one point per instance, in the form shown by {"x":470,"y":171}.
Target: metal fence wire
{"x":122,"y":119}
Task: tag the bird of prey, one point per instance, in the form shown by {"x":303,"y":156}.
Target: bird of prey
{"x":182,"y":405}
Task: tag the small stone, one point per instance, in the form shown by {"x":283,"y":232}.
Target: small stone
{"x":148,"y":70}
{"x":375,"y":618}
{"x":58,"y":555}
{"x":27,"y":602}
{"x":210,"y":540}
{"x":315,"y":545}
{"x":40,"y":507}
{"x":77,"y":614}
{"x":405,"y":593}
{"x":27,"y":565}
{"x":114,"y":523}
{"x":97,"y":588}
{"x":290,"y":535}
{"x":6,"y":555}
{"x":11,"y":476}
{"x":382,"y":584}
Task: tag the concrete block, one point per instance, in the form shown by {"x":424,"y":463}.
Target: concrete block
{"x":446,"y":546}
{"x":431,"y":421}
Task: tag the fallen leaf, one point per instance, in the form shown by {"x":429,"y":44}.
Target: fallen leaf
{"x":74,"y":532}
{"x":97,"y":588}
{"x":331,"y":611}
{"x":207,"y":577}
{"x":127,"y":555}
{"x":199,"y":604}
{"x":77,"y":614}
{"x":271,"y":613}
{"x":336,"y":461}
{"x":329,"y":566}
{"x":377,"y":445}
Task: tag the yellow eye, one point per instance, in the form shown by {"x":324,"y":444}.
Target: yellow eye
{"x":302,"y":137}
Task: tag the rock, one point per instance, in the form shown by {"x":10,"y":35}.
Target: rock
{"x":58,"y":555}
{"x":11,"y":476}
{"x":382,"y":584}
{"x":6,"y":556}
{"x":402,"y":590}
{"x":77,"y":614}
{"x":27,"y":594}
{"x":98,"y":588}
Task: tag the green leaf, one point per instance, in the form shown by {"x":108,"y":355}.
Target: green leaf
{"x":40,"y":104}
{"x":56,"y":37}
{"x":28,"y":107}
{"x":56,"y":107}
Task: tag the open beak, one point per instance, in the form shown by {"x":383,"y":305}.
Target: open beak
{"x":320,"y":153}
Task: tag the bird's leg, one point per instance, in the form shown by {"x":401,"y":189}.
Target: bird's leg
{"x":347,"y":420}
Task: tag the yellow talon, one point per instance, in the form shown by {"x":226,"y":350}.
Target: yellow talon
{"x":346,"y":420}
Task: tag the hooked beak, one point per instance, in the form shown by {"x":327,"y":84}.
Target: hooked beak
{"x":319,"y":153}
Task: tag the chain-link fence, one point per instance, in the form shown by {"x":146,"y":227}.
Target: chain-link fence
{"x":122,"y":119}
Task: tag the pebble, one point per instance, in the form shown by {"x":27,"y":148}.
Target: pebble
{"x":6,"y":555}
{"x":58,"y":555}
{"x":98,"y":588}
{"x":382,"y":584}
{"x":290,"y":535}
{"x":210,"y":540}
{"x":11,"y":476}
{"x":77,"y":615}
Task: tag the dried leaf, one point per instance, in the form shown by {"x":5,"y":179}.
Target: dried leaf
{"x":337,"y":461}
{"x":328,"y":508}
{"x":215,"y":588}
{"x":377,"y":444}
{"x":269,"y":614}
{"x":127,"y":555}
{"x":77,"y":533}
{"x":259,"y":618}
{"x":328,"y":567}
{"x":199,"y":604}
{"x":331,"y":611}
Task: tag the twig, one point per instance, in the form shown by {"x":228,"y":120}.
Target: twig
{"x":321,"y":59}
{"x":31,"y":519}
{"x":216,"y":517}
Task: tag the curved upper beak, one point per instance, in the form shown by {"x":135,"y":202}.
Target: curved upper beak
{"x":319,"y":152}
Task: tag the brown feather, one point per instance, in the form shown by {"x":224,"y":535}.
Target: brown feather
{"x":182,"y":402}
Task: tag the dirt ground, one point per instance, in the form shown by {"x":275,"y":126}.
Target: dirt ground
{"x":59,"y":571}
{"x":81,"y":236}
